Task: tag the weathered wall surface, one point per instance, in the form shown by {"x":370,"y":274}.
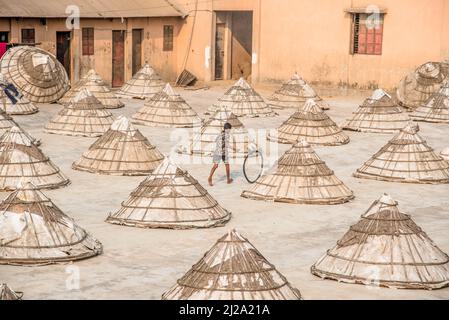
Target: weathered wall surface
{"x":313,"y":38}
{"x":152,"y":44}
{"x":316,"y":43}
{"x":310,"y":37}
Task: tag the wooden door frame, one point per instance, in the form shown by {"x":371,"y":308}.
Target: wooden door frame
{"x":227,"y":63}
{"x":112,"y":57}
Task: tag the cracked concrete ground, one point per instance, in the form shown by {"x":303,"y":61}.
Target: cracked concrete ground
{"x":143,"y":264}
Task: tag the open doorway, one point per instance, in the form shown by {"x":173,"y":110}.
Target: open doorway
{"x":63,"y":49}
{"x":4,"y":36}
{"x":137,"y":50}
{"x":233,"y":44}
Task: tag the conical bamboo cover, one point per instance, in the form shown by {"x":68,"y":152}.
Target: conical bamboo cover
{"x":294,"y":94}
{"x":122,"y":150}
{"x":417,"y":87}
{"x":406,"y":158}
{"x":35,"y":231}
{"x":6,"y":293}
{"x":386,"y":248}
{"x":95,"y":84}
{"x":170,"y":198}
{"x":378,"y":114}
{"x":243,"y":101}
{"x":167,"y":109}
{"x":22,"y":107}
{"x":86,"y":117}
{"x":436,"y":109}
{"x":7,"y":122}
{"x":445,"y":154}
{"x":20,"y":158}
{"x":310,"y":123}
{"x":300,"y":176}
{"x":145,"y":83}
{"x":36,"y":73}
{"x":68,"y":97}
{"x":204,"y":143}
{"x":233,"y":269}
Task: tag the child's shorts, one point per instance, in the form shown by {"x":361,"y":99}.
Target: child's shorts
{"x":219,"y":158}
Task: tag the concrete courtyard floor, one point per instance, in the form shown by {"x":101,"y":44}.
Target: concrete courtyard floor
{"x":143,"y":264}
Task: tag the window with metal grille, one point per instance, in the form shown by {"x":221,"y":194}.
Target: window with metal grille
{"x":367,"y":34}
{"x":168,"y":38}
{"x":28,"y":36}
{"x":88,"y":41}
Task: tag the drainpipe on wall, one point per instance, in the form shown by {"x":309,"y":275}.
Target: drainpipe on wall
{"x":259,"y":37}
{"x":76,"y":54}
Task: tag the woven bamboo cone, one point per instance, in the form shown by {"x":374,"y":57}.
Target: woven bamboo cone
{"x":22,"y":107}
{"x":170,"y":198}
{"x":36,"y":232}
{"x":295,"y":93}
{"x":145,"y":84}
{"x":436,"y":109}
{"x":386,"y":248}
{"x":243,"y":101}
{"x":122,"y":150}
{"x":300,"y":177}
{"x":203,"y":143}
{"x":6,"y":293}
{"x":233,"y":269}
{"x":310,"y":123}
{"x":406,"y":158}
{"x":36,"y":73}
{"x":378,"y":114}
{"x":417,"y":87}
{"x":167,"y":109}
{"x":7,"y":122}
{"x":95,"y":85}
{"x":445,"y":154}
{"x":21,"y":159}
{"x":85,"y":117}
{"x":68,"y":97}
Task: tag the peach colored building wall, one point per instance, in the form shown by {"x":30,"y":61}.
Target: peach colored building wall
{"x":310,"y":37}
{"x":164,"y":62}
{"x":314,"y":37}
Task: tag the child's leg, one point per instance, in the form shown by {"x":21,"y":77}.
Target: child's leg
{"x":228,"y":173}
{"x":211,"y":175}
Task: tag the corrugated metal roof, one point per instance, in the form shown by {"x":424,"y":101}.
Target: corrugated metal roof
{"x":91,"y":8}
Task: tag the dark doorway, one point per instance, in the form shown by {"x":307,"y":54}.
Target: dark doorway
{"x":4,"y":36}
{"x":137,"y":50}
{"x":63,"y":49}
{"x":233,"y":44}
{"x":118,"y":58}
{"x":220,"y":50}
{"x":242,"y":43}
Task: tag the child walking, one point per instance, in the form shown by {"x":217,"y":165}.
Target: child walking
{"x":221,"y":153}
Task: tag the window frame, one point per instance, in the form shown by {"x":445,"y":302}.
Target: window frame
{"x":168,"y":38}
{"x":88,"y":41}
{"x":23,"y":30}
{"x":377,"y":32}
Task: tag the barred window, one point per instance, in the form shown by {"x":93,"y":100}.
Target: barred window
{"x":88,"y":41}
{"x":367,"y":34}
{"x":168,"y":38}
{"x":28,"y":36}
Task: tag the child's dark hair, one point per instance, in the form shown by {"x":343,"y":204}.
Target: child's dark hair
{"x":227,"y":126}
